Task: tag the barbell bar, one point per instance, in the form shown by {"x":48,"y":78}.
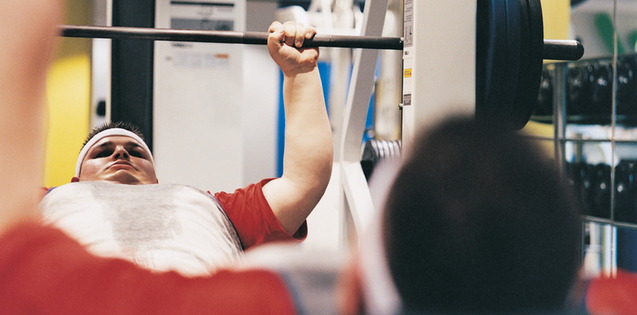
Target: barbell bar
{"x":228,"y":37}
{"x":553,"y":49}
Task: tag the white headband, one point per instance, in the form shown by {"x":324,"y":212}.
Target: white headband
{"x":108,"y":133}
{"x":379,"y":291}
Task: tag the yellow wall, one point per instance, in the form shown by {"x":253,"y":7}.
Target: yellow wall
{"x":68,"y":98}
{"x":557,"y":17}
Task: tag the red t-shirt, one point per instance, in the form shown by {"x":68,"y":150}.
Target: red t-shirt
{"x":253,"y":218}
{"x":616,"y":295}
{"x":43,"y":271}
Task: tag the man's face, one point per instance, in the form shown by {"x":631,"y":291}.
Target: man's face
{"x":118,"y":159}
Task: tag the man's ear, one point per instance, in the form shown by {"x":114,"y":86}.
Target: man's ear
{"x":75,"y":179}
{"x":350,"y":291}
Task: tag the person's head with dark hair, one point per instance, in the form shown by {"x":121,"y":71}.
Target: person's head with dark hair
{"x":114,"y":124}
{"x":115,"y":152}
{"x":480,"y":221}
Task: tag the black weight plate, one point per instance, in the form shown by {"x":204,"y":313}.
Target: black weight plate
{"x":529,"y":86}
{"x":521,"y":103}
{"x":514,"y":63}
{"x":491,"y":50}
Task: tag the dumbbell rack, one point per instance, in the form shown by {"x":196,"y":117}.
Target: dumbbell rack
{"x":581,"y":99}
{"x":589,"y":92}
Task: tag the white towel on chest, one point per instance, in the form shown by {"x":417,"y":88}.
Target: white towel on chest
{"x":160,"y":226}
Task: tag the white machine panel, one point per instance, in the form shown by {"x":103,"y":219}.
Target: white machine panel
{"x":198,"y":89}
{"x":438,"y":61}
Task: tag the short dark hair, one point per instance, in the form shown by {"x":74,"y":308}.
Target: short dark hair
{"x":480,"y":220}
{"x":110,"y":125}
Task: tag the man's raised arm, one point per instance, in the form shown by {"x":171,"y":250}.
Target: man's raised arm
{"x":308,"y":155}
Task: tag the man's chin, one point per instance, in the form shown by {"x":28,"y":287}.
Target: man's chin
{"x":124,"y":177}
{"x":119,"y":181}
{"x":121,"y":177}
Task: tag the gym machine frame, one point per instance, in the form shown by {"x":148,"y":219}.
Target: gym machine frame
{"x":521,"y":17}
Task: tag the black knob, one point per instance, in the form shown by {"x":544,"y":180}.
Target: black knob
{"x":626,"y":86}
{"x":602,"y":89}
{"x":578,"y":88}
{"x":544,"y":105}
{"x":579,"y":176}
{"x":600,"y":191}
